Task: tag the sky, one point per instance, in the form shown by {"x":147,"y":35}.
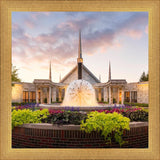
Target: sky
{"x":118,"y":37}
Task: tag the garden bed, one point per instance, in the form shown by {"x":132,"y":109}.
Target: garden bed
{"x":44,"y":135}
{"x":104,"y":128}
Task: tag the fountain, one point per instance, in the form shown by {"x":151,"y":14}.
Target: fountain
{"x":80,"y":93}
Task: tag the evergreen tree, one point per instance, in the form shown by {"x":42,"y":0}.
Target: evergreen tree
{"x":144,"y":77}
{"x":15,"y":77}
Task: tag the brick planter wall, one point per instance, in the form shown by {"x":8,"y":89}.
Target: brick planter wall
{"x":50,"y":136}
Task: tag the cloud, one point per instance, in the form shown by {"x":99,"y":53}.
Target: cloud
{"x":29,"y":23}
{"x":17,"y":31}
{"x":61,"y":42}
{"x":77,"y":24}
{"x":133,"y":26}
{"x":36,"y":15}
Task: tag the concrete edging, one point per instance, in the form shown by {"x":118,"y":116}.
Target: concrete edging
{"x":71,"y":126}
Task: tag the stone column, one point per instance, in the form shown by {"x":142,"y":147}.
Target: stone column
{"x":118,"y":96}
{"x":37,"y":94}
{"x":41,"y":89}
{"x":99,"y":94}
{"x":107,"y":91}
{"x":60,"y":94}
{"x":49,"y":97}
{"x":122,"y":96}
{"x":110,"y":95}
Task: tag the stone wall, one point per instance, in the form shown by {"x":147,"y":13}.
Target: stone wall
{"x":28,"y":86}
{"x":130,"y":87}
{"x":18,"y":88}
{"x":142,"y":90}
{"x":17,"y":93}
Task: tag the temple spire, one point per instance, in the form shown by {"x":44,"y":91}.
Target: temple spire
{"x":80,"y":59}
{"x":109,"y":77}
{"x":50,"y":75}
{"x":80,"y":47}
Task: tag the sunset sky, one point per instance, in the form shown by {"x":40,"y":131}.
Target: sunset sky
{"x":118,"y":37}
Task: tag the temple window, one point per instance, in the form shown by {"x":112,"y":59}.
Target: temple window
{"x":25,"y":96}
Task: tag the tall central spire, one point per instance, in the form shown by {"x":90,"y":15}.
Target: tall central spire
{"x":80,"y":47}
{"x":80,"y":59}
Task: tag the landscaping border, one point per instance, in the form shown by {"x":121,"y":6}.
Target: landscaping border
{"x":43,"y":135}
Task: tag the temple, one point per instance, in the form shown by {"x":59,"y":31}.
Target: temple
{"x":47,"y":91}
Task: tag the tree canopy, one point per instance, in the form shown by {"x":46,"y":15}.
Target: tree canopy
{"x":144,"y":77}
{"x":15,"y":77}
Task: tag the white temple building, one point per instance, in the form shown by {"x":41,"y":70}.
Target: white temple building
{"x":47,"y":91}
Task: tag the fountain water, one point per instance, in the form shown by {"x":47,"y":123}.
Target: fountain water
{"x":80,"y":93}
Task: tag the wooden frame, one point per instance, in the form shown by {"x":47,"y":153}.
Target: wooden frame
{"x":151,"y":6}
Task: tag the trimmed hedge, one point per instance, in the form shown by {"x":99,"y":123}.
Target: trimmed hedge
{"x":22,"y":103}
{"x":136,"y":104}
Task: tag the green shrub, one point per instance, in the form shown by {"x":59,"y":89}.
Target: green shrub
{"x":65,"y":117}
{"x":20,"y":117}
{"x":107,"y":124}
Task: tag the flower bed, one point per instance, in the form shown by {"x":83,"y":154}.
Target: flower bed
{"x":75,"y":117}
{"x":109,"y":124}
{"x":134,"y":114}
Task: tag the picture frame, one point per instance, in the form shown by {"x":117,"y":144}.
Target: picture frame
{"x":152,"y":7}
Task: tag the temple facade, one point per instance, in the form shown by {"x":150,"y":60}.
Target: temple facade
{"x":113,"y":91}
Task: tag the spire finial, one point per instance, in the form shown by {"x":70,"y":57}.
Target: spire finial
{"x":50,"y":75}
{"x":109,"y":77}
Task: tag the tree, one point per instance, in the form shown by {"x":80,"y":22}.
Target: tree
{"x":144,"y":77}
{"x":15,"y":77}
